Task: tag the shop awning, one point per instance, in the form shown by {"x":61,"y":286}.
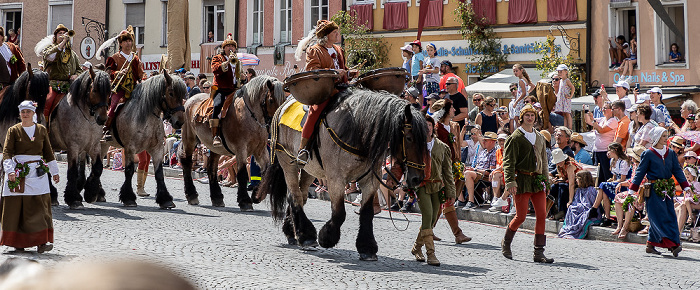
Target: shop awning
{"x":577,"y":103}
{"x":498,"y":85}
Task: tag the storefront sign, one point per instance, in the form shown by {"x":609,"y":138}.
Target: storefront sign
{"x":152,"y":62}
{"x":518,"y":49}
{"x":673,"y":78}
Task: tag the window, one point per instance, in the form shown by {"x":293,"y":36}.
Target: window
{"x":257,"y":21}
{"x":214,"y":22}
{"x":665,"y":35}
{"x":319,"y":11}
{"x":136,"y":17}
{"x":60,"y":13}
{"x":622,"y":19}
{"x":285,"y":21}
{"x":13,"y":19}
{"x":164,"y":27}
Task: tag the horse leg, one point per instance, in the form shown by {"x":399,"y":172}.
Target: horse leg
{"x":366,"y":244}
{"x":126,"y":193}
{"x":217,"y":198}
{"x":81,"y":174}
{"x":92,"y":185}
{"x":163,"y":197}
{"x":244,"y":201}
{"x":329,"y":235}
{"x":186,"y":162}
{"x":304,"y":230}
{"x":288,"y":227}
{"x":72,"y":195}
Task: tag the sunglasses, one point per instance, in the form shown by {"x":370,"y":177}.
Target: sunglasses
{"x":206,"y":87}
{"x":556,"y":79}
{"x":691,"y":157}
{"x":478,"y":100}
{"x":513,"y":89}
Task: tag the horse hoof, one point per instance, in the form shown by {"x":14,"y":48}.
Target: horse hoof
{"x":101,"y":199}
{"x":167,"y":205}
{"x":130,"y":203}
{"x":219,"y":203}
{"x":194,"y":201}
{"x":368,"y":257}
{"x":76,"y":205}
{"x":310,"y":245}
{"x":292,"y":241}
{"x":246,"y":207}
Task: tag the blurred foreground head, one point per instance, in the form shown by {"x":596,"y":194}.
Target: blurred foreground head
{"x":122,"y":275}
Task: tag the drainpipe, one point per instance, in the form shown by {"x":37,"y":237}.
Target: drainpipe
{"x":588,"y":41}
{"x":236,"y":14}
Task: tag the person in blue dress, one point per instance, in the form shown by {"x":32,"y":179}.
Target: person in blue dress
{"x":659,"y":164}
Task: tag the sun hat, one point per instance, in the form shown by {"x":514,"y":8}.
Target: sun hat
{"x":537,"y":105}
{"x":642,"y":98}
{"x":576,"y":137}
{"x":490,"y":136}
{"x":636,"y":152}
{"x":623,"y":84}
{"x":678,"y":141}
{"x":407,"y":48}
{"x":692,"y":170}
{"x":690,"y":154}
{"x":87,"y":64}
{"x":502,"y":136}
{"x":558,"y":156}
{"x":547,"y":136}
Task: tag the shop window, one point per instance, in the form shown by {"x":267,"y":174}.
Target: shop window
{"x":666,"y":36}
{"x":60,"y":13}
{"x":214,"y":21}
{"x":135,"y":16}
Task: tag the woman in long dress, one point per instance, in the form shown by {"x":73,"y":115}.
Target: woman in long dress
{"x":659,"y":164}
{"x":26,"y":219}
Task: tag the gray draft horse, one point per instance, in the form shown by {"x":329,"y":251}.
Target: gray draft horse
{"x":76,"y":127}
{"x":361,"y":128}
{"x":244,"y":131}
{"x":139,"y":127}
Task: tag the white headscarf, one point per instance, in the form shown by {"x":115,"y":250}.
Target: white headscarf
{"x":655,"y":134}
{"x":28,"y":105}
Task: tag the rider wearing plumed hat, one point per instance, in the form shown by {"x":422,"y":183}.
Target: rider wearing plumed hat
{"x":61,"y":63}
{"x":227,"y":78}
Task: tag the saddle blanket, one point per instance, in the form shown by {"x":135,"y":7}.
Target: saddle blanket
{"x":206,"y":109}
{"x":294,"y":116}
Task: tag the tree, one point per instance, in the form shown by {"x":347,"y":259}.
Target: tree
{"x":551,"y":57}
{"x":482,"y":39}
{"x":363,"y":48}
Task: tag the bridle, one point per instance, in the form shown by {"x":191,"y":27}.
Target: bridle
{"x":168,"y":111}
{"x":404,"y":161}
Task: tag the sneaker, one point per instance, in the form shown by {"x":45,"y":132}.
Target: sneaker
{"x":499,"y":203}
{"x":469,"y":206}
{"x":460,"y":203}
{"x":204,"y":180}
{"x":612,"y":65}
{"x":494,"y":208}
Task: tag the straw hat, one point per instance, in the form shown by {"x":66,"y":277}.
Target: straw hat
{"x":636,"y":152}
{"x":490,"y":136}
{"x":558,"y":156}
{"x":678,"y":141}
{"x":546,"y":135}
{"x":576,"y":137}
{"x":690,"y":154}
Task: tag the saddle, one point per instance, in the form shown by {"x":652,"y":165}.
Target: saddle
{"x":205,"y":109}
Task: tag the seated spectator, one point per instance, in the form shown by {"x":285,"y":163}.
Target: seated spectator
{"x":580,"y":154}
{"x":485,"y":163}
{"x":564,"y":185}
{"x":690,"y":159}
{"x":619,"y":50}
{"x":626,"y":203}
{"x":497,"y":178}
{"x":628,"y":64}
{"x":562,"y":136}
{"x":687,"y":203}
{"x":675,"y":55}
{"x":620,"y":167}
{"x":576,"y":222}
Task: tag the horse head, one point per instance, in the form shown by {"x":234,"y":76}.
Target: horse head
{"x":274,"y":97}
{"x":413,"y":147}
{"x":98,"y":94}
{"x":173,"y":98}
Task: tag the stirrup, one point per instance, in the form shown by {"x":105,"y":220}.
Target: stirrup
{"x":217,"y":141}
{"x":107,"y":137}
{"x":302,"y":157}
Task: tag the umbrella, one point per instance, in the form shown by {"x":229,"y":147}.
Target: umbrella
{"x":248,"y":59}
{"x":693,"y":136}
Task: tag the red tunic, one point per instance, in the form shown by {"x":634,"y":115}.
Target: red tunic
{"x":222,"y":79}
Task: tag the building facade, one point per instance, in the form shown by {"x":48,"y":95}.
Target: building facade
{"x":654,"y":36}
{"x":35,"y":19}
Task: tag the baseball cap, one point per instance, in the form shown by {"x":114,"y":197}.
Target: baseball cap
{"x":654,"y":90}
{"x":446,"y":62}
{"x":87,"y":64}
{"x":562,"y":67}
{"x":623,"y":84}
{"x":180,"y":70}
{"x":416,"y":42}
{"x":442,"y":91}
{"x":632,"y":109}
{"x":642,"y":98}
{"x":407,"y":47}
{"x":502,"y":136}
{"x":433,"y":96}
{"x":596,"y":93}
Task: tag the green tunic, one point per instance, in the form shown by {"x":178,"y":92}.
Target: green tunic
{"x":521,"y":155}
{"x":440,"y":170}
{"x":58,"y":69}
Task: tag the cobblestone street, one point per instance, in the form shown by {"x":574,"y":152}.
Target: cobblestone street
{"x":223,"y":248}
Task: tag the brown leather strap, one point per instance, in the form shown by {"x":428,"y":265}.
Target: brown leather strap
{"x":526,"y":173}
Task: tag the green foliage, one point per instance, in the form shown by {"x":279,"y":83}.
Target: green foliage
{"x":482,"y":39}
{"x":360,"y":45}
{"x":551,"y":57}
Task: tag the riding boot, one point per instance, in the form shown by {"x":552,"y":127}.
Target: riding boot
{"x":505,"y":243}
{"x":538,"y":256}
{"x":417,"y":248}
{"x":303,"y":155}
{"x":429,"y":247}
{"x":214,"y":125}
{"x":451,"y":217}
{"x":140,"y":182}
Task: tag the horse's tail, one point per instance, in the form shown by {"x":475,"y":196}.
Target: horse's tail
{"x":273,"y":184}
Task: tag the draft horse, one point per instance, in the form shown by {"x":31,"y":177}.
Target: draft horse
{"x":138,"y":127}
{"x":244,"y":132}
{"x":76,"y":127}
{"x":359,"y":130}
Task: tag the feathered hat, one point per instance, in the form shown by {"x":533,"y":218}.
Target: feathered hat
{"x":322,"y":29}
{"x":325,"y":27}
{"x":48,"y":40}
{"x":59,"y":28}
{"x":125,"y":34}
{"x":229,"y":41}
{"x":441,"y":109}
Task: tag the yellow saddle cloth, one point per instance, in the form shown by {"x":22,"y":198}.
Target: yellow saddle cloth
{"x":293,"y":116}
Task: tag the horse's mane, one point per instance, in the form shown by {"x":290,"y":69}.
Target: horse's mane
{"x":256,"y":85}
{"x":16,"y":93}
{"x":148,"y":94}
{"x":79,"y":89}
{"x":376,"y":121}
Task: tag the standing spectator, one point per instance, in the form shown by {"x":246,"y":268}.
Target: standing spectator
{"x":623,"y":122}
{"x":181,"y":72}
{"x":581,"y":155}
{"x":448,"y":71}
{"x":511,"y":107}
{"x":26,"y":219}
{"x":621,"y":89}
{"x":599,"y":97}
{"x":688,"y":108}
{"x":605,"y":129}
{"x":407,"y":55}
{"x":192,"y":87}
{"x":206,"y":87}
{"x":656,"y":115}
{"x":643,"y":134}
{"x":675,"y":55}
{"x":412,"y":95}
{"x":430,"y":72}
{"x":250,"y":74}
{"x":210,"y":36}
{"x":487,"y":119}
{"x":417,"y":63}
{"x":656,"y":102}
{"x":525,"y":86}
{"x":442,"y":93}
{"x":562,"y":135}
{"x":458,"y":100}
{"x":200,"y":79}
{"x":13,"y":37}
{"x":564,"y":94}
{"x":477,"y":101}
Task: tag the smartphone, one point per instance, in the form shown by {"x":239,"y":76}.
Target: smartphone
{"x":636,"y":87}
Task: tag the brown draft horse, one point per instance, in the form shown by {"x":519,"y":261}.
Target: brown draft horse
{"x":361,"y":128}
{"x":243,"y":131}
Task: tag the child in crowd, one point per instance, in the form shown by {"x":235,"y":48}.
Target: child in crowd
{"x":576,"y":223}
{"x":625,"y":210}
{"x":564,"y":95}
{"x":675,"y":55}
{"x":687,"y":203}
{"x":619,"y":50}
{"x":620,"y":168}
